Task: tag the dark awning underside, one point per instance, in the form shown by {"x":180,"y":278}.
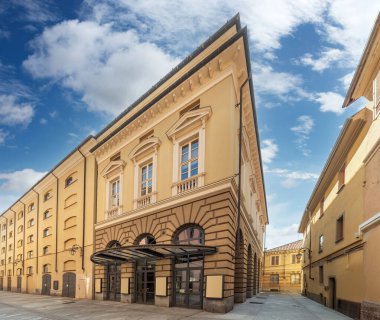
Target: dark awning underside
{"x":150,"y":252}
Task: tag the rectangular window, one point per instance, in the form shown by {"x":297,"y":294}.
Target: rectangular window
{"x":115,"y":193}
{"x":321,"y":239}
{"x":295,"y":278}
{"x":321,"y":274}
{"x":30,"y":270}
{"x":341,"y":177}
{"x":340,"y":228}
{"x":274,"y":279}
{"x":275,"y":260}
{"x":189,"y":159}
{"x":295,"y":259}
{"x":146,"y":179}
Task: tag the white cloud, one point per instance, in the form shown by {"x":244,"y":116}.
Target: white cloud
{"x":302,"y":131}
{"x":292,"y":179}
{"x":326,"y":59}
{"x":19,"y":181}
{"x":349,"y":24}
{"x":329,"y":101}
{"x":13,"y":112}
{"x":3,"y":136}
{"x":34,"y":10}
{"x":280,"y":84}
{"x":346,"y":80}
{"x":156,"y":18}
{"x":269,"y":150}
{"x":277,"y":236}
{"x":109,"y":68}
{"x":43,"y":121}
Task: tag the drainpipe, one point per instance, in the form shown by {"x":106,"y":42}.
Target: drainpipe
{"x":23,"y":240}
{"x":14,"y":237}
{"x":56,"y":226}
{"x":84,"y":206}
{"x":240,"y":163}
{"x":94,"y":223}
{"x":37,"y":222}
{"x":310,"y":277}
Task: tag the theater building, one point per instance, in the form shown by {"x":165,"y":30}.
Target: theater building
{"x":341,"y":223}
{"x":169,"y":204}
{"x":282,"y":270}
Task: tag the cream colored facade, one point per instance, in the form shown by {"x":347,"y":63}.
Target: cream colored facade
{"x":163,"y":173}
{"x":282,"y":269}
{"x":41,"y":229}
{"x":342,"y":271}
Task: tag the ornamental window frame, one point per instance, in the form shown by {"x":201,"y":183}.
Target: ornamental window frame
{"x":145,"y":153}
{"x":190,"y":126}
{"x":113,"y":172}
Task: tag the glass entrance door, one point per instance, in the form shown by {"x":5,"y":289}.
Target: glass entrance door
{"x":113,"y":282}
{"x":145,"y":282}
{"x":189,"y":285}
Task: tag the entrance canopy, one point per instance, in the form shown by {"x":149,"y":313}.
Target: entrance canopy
{"x":150,"y":252}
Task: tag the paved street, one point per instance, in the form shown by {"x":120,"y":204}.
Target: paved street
{"x":265,"y":306}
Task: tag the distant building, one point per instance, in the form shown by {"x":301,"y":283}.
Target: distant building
{"x":165,"y":206}
{"x":341,"y":222}
{"x":282,"y":268}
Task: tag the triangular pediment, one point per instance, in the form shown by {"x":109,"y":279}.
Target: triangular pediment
{"x":150,"y":143}
{"x":192,"y":118}
{"x":113,"y":167}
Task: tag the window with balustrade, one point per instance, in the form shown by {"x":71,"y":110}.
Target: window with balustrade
{"x":144,"y":157}
{"x":188,"y":135}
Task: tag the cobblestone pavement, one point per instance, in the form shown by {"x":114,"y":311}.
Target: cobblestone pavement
{"x":16,"y":306}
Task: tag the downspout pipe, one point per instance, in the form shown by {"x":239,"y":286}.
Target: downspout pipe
{"x":56,"y":224}
{"x":84,"y":206}
{"x":95,"y":205}
{"x":240,"y":163}
{"x":310,"y":277}
{"x":37,"y":222}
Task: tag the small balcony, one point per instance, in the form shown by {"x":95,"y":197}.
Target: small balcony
{"x":188,"y":184}
{"x":113,"y":212}
{"x":144,"y":200}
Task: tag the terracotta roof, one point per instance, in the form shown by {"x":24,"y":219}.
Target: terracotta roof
{"x":296,"y":245}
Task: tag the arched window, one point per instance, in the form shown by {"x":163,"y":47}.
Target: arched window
{"x":189,"y":235}
{"x":113,"y":244}
{"x":69,"y":181}
{"x":145,"y":239}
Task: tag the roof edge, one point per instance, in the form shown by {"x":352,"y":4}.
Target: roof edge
{"x":88,"y":138}
{"x":235,"y":20}
{"x":348,"y":100}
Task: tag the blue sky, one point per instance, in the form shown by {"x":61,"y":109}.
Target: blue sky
{"x":69,"y":67}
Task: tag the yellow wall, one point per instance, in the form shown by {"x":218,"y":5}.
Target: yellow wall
{"x":285,"y":269}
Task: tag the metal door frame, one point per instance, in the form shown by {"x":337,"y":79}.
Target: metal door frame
{"x":45,"y":291}
{"x":188,"y":268}
{"x":68,"y":276}
{"x":145,"y":274}
{"x":19,"y":283}
{"x":116,"y":273}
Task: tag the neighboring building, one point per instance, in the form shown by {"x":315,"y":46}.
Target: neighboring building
{"x":169,"y":198}
{"x":46,"y":237}
{"x":282,"y":268}
{"x":341,"y":223}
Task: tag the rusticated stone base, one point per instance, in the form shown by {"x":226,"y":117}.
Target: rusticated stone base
{"x":218,"y":305}
{"x":370,"y":311}
{"x":127,"y":298}
{"x":162,"y":301}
